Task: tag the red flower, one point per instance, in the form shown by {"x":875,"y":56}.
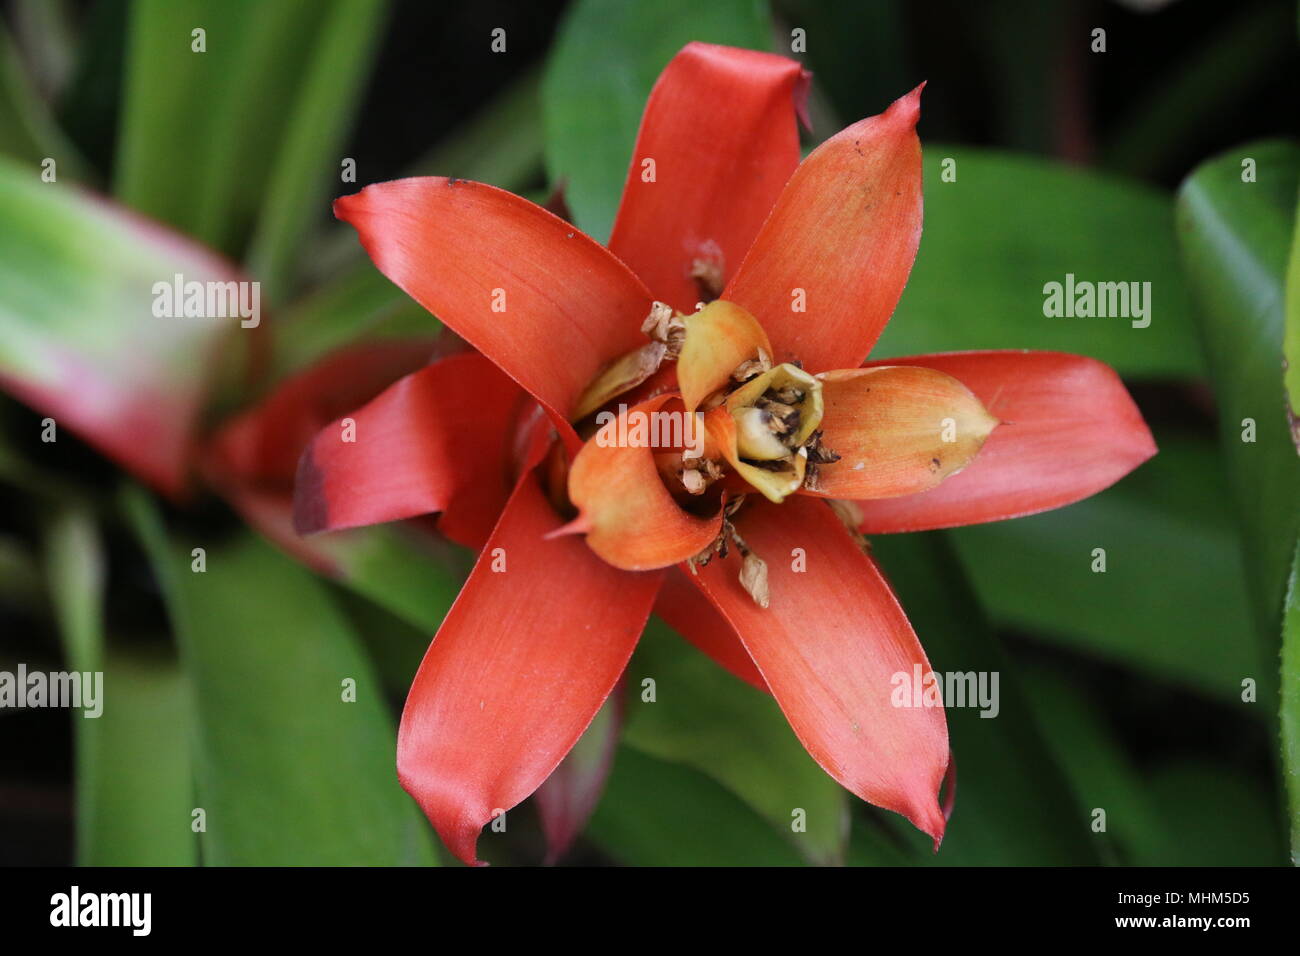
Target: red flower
{"x":810,"y":260}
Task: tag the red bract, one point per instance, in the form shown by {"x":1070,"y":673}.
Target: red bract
{"x":809,"y":260}
{"x":252,"y":459}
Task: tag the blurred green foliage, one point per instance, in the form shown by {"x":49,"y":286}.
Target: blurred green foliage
{"x":1237,"y":224}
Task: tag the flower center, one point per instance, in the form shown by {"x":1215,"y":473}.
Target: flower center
{"x":776,"y":411}
{"x":761,"y":423}
{"x":764,"y":422}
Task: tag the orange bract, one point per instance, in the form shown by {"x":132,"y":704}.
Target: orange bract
{"x":628,"y":515}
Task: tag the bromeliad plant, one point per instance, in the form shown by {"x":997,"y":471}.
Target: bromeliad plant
{"x":743,"y":286}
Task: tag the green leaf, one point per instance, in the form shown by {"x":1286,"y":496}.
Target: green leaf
{"x":1151,"y":811}
{"x":395,"y":646}
{"x":1235,"y":238}
{"x":871,"y":845}
{"x":1291,"y":336}
{"x":76,"y":275}
{"x":27,"y":130}
{"x":501,"y":145}
{"x":1101,"y":774}
{"x":1172,"y":601}
{"x":1013,"y":804}
{"x":1234,"y":820}
{"x":599,"y":75}
{"x":308,"y":160}
{"x":404,"y":572}
{"x":289,"y":772}
{"x":134,"y":783}
{"x":1011,"y":224}
{"x":78,"y":336}
{"x":359,"y":304}
{"x":200,"y":131}
{"x":1290,"y":711}
{"x":75,"y":564}
{"x":1167,"y":118}
{"x":704,"y":718}
{"x":656,"y":813}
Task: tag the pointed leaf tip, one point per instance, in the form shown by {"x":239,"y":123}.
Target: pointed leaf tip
{"x":489,"y":717}
{"x":832,"y":680}
{"x":908,"y":106}
{"x":579,"y":525}
{"x":310,"y":510}
{"x":803,"y":87}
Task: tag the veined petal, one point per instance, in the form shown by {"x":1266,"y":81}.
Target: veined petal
{"x":831,"y":645}
{"x":827,"y":269}
{"x":1069,"y":429}
{"x":547,"y":304}
{"x":688,"y":612}
{"x":630,"y":518}
{"x":718,"y":141}
{"x":436,"y":440}
{"x":528,"y":653}
{"x":897,"y":429}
